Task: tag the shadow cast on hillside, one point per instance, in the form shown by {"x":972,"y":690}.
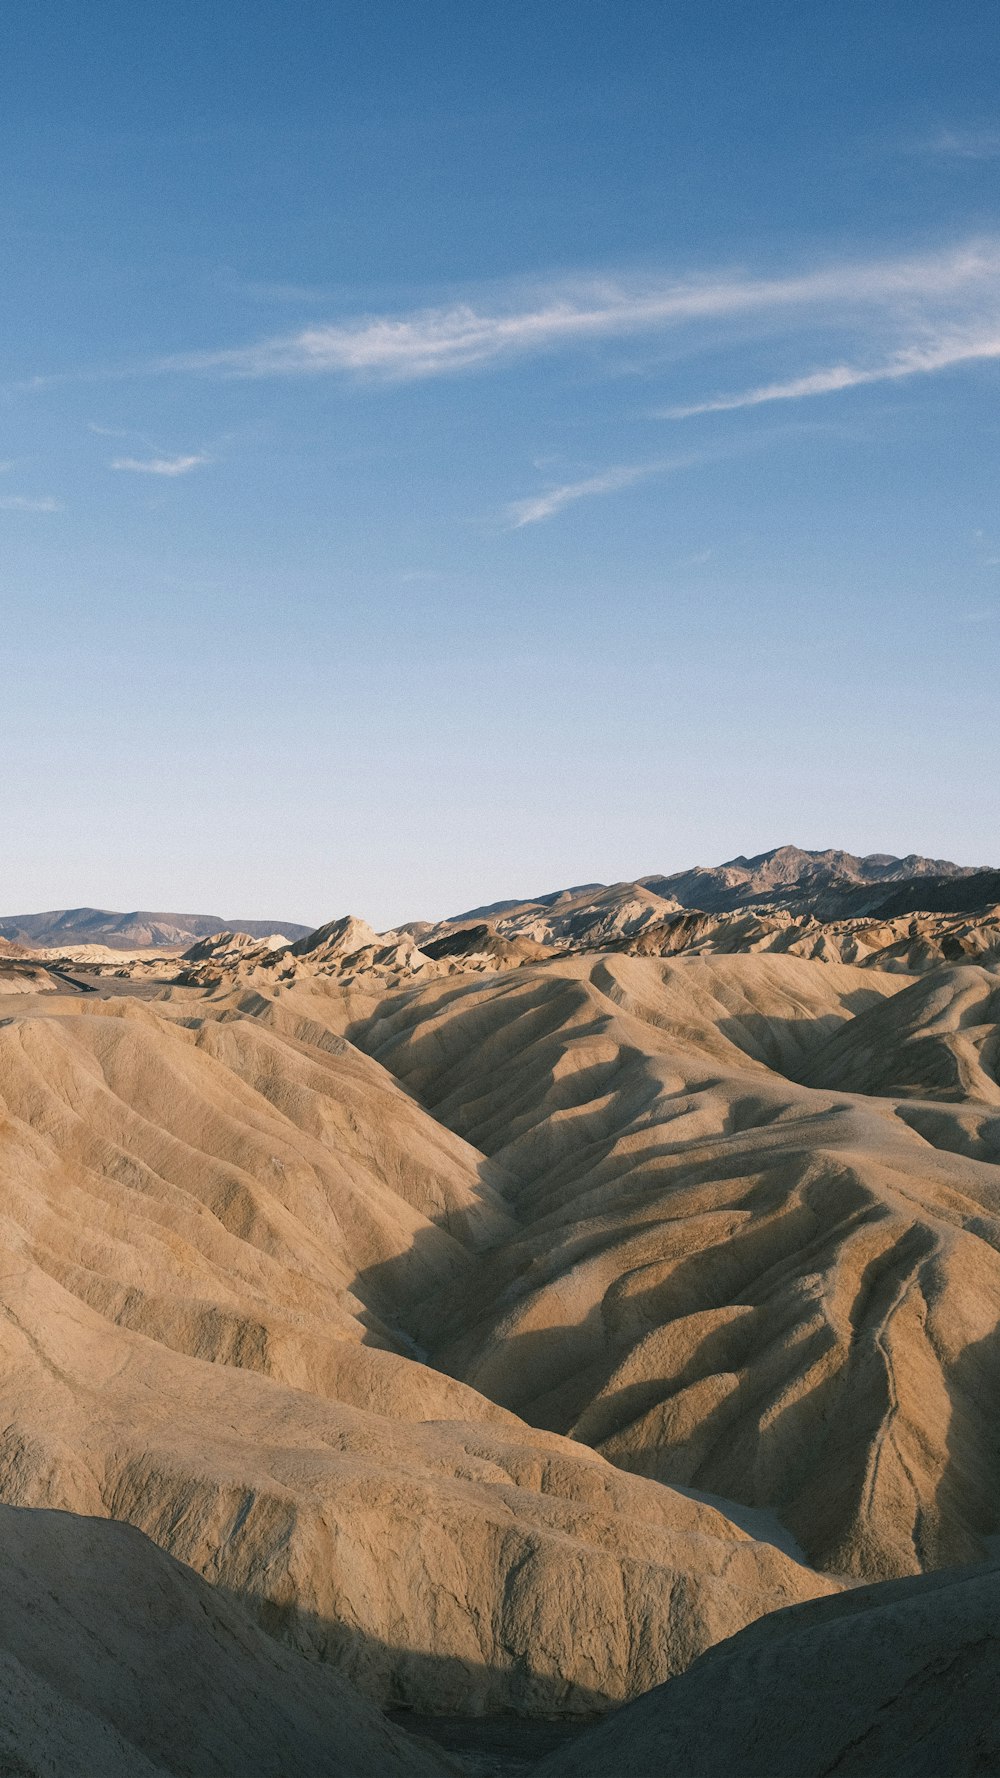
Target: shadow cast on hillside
{"x":420,"y":1683}
{"x":967,"y":1503}
{"x":785,"y":1046}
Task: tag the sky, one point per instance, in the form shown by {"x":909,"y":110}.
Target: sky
{"x":453,"y":451}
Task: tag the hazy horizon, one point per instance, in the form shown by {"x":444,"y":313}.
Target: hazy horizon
{"x":514,"y":894}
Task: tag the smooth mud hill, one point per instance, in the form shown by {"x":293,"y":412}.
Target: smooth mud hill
{"x":940,"y":1039}
{"x":781,"y":1294}
{"x":888,"y":1680}
{"x":268,"y":1181}
{"x":218,"y":1236}
{"x":118,"y":1662}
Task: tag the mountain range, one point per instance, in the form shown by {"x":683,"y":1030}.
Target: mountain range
{"x":140,"y":930}
{"x":830,"y":885}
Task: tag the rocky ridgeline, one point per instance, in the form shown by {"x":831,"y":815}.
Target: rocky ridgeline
{"x":349,"y":950}
{"x":902,"y":914}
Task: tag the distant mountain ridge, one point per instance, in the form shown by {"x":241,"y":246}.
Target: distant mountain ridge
{"x":950,"y":895}
{"x":828,"y":885}
{"x":123,"y":932}
{"x":831,"y":884}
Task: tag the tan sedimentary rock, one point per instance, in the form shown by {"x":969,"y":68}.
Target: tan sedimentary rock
{"x":219,"y":1229}
{"x":782,"y":1294}
{"x":25,"y":978}
{"x":345,"y":1285}
{"x":909,"y":944}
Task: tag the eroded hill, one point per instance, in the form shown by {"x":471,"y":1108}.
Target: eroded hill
{"x":508,"y":1327}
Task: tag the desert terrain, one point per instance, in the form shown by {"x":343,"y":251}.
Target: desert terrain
{"x":562,"y":1338}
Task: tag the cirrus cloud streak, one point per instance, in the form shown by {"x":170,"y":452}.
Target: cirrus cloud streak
{"x":912,"y":361}
{"x":437,"y":341}
{"x":537,"y":507}
{"x":161,"y":465}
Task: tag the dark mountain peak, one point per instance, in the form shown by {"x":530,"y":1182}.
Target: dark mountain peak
{"x":831,"y":883}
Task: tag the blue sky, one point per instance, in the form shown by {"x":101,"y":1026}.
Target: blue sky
{"x":449,"y":451}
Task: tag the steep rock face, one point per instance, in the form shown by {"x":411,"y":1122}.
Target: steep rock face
{"x":782,"y":1294}
{"x":119,"y":1661}
{"x":589,"y":919}
{"x":886,"y":1680}
{"x":337,"y":938}
{"x":481,"y":947}
{"x":218,"y":1229}
{"x":232,"y":949}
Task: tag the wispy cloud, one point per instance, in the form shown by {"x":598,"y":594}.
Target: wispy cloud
{"x":969,"y":145}
{"x":538,"y":507}
{"x":29,"y":503}
{"x":881,"y":320}
{"x":436,"y":341}
{"x":161,"y":465}
{"x":911,"y":361}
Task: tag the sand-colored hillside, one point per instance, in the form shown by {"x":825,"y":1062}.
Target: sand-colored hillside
{"x":23,"y":977}
{"x":940,"y":1040}
{"x":892,"y":1681}
{"x":778,"y":1293}
{"x":908,"y":944}
{"x":219,"y":1235}
{"x":508,"y":1337}
{"x":620,"y":920}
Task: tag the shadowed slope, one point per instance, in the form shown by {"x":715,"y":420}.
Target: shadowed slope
{"x":722,"y":1279}
{"x":885,"y":1681}
{"x":940,"y":1039}
{"x":262,"y":1178}
{"x":118,"y":1661}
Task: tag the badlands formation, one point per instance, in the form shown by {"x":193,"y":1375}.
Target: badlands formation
{"x":510,"y":1318}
